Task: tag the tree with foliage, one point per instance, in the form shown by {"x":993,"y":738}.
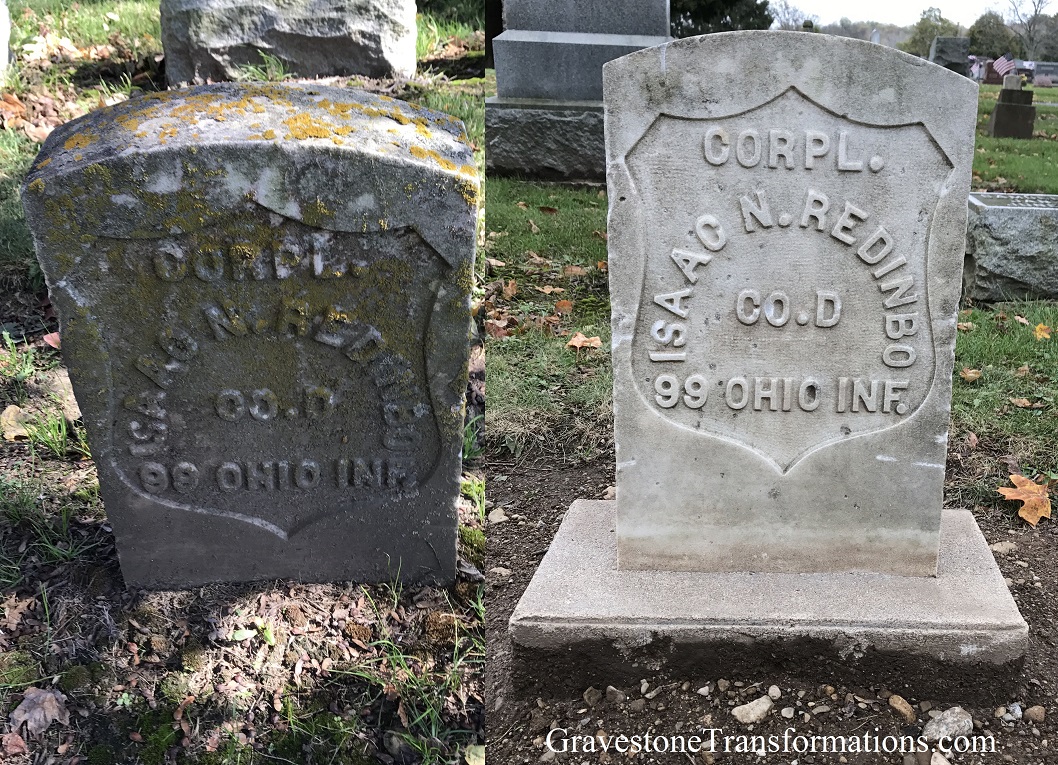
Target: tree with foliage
{"x":698,"y":17}
{"x":787,"y":16}
{"x":1030,"y":24}
{"x":990,"y":36}
{"x":930,"y":25}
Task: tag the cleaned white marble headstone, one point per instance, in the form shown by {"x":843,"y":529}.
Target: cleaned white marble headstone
{"x":786,"y":227}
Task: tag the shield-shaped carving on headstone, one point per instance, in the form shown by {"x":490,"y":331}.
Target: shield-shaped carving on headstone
{"x":709,"y":325}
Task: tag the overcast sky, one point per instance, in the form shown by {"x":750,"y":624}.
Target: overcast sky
{"x":902,"y":12}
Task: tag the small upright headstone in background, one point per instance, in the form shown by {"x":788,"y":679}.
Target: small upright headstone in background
{"x":1014,"y":116}
{"x":952,"y":53}
{"x":206,"y":41}
{"x":546,"y":119}
{"x":1011,"y":247}
{"x":263,"y":294}
{"x":785,"y":254}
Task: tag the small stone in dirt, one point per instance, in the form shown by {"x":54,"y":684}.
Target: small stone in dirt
{"x":774,"y":692}
{"x":705,"y":690}
{"x":500,"y":571}
{"x":821,"y":710}
{"x":1035,"y":714}
{"x":1003,"y":548}
{"x":1015,"y":710}
{"x":1000,"y":711}
{"x":497,"y":516}
{"x":615,"y":696}
{"x":754,"y":711}
{"x":539,"y":721}
{"x":686,"y":686}
{"x":953,"y":722}
{"x":899,"y":703}
{"x":787,"y":712}
{"x":644,"y":686}
{"x":610,"y":492}
{"x":722,"y":685}
{"x":638,"y":705}
{"x":592,"y":696}
{"x":938,"y":759}
{"x":925,"y":706}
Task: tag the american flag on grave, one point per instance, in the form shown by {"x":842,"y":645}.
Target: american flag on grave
{"x":1005,"y":65}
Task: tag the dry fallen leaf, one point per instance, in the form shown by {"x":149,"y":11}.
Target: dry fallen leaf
{"x":1021,"y":320}
{"x":603,"y":266}
{"x":11,"y":744}
{"x":533,"y":227}
{"x":496,"y":329}
{"x":1024,"y":403}
{"x":965,"y":326}
{"x":547,"y":289}
{"x":549,"y":210}
{"x":970,"y":375}
{"x":52,"y":339}
{"x":574,"y":271}
{"x":563,"y":307}
{"x":579,"y":341}
{"x":493,"y":263}
{"x":13,"y":422}
{"x":14,"y":609}
{"x":1022,"y":370}
{"x":510,"y":289}
{"x":600,"y":234}
{"x":1035,"y":498}
{"x":523,"y":205}
{"x":1042,"y":332}
{"x":39,"y":709}
{"x":972,"y":440}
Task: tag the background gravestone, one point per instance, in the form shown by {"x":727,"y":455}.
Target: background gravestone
{"x":264,"y":302}
{"x":785,"y":253}
{"x":546,"y":119}
{"x":207,"y":41}
{"x":1011,"y":247}
{"x":952,"y":53}
{"x":1013,"y":116}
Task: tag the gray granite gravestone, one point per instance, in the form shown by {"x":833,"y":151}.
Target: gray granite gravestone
{"x":1011,"y":247}
{"x":785,"y":253}
{"x":952,"y":53}
{"x":208,"y":41}
{"x":546,"y":119}
{"x":1014,"y":116}
{"x":263,"y":293}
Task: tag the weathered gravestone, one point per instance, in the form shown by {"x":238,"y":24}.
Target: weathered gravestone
{"x":1014,"y":116}
{"x":785,"y":251}
{"x":1011,"y":247}
{"x":263,"y":295}
{"x":208,"y":41}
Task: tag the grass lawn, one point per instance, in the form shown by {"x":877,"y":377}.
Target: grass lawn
{"x":546,"y":398}
{"x":281,"y":672}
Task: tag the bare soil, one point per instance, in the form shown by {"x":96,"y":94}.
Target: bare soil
{"x":534,"y":497}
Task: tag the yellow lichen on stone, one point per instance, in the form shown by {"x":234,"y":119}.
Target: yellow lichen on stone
{"x":315,"y":213}
{"x":79,"y":141}
{"x":37,"y":185}
{"x":420,"y":153}
{"x":269,"y":134}
{"x":44,"y":163}
{"x":304,"y":126}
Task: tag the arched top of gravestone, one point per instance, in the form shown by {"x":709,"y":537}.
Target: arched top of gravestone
{"x":242,"y":130}
{"x":719,"y":74}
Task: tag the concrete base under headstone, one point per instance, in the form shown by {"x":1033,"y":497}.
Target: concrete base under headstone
{"x":590,"y":622}
{"x":553,"y":140}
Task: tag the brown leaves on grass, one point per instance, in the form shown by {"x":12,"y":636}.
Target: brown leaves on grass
{"x":14,"y":610}
{"x":39,"y":709}
{"x":533,"y":227}
{"x":547,"y":289}
{"x":579,"y":340}
{"x":1022,"y":320}
{"x":574,"y":271}
{"x":510,"y":289}
{"x":970,"y":375}
{"x":1022,"y":370}
{"x":1035,"y":499}
{"x":1024,"y":403}
{"x":564,"y":307}
{"x":966,"y":326}
{"x":1042,"y":332}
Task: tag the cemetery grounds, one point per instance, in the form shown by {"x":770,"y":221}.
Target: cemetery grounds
{"x":549,"y":441}
{"x":268,"y":673}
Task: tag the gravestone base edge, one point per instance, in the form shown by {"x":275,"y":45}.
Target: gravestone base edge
{"x":597,"y":624}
